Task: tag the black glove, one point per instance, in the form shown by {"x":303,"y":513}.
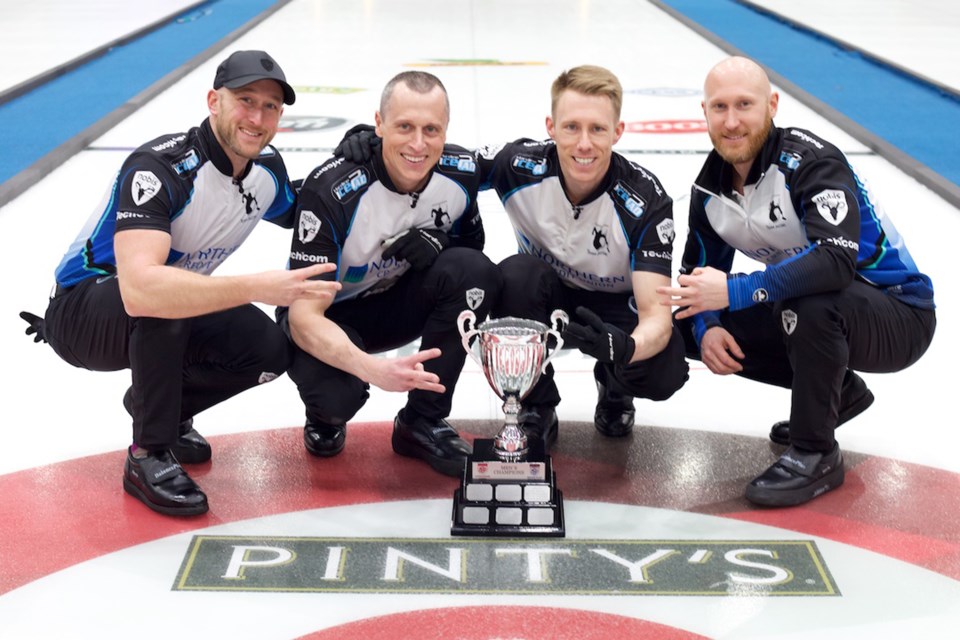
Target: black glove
{"x":419,"y":247}
{"x":36,"y":326}
{"x":599,"y":339}
{"x":359,"y":143}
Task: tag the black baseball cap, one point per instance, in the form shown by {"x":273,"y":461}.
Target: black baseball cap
{"x":244,"y":67}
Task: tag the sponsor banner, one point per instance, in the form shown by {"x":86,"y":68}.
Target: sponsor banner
{"x":729,"y":568}
{"x":328,"y":90}
{"x":667,"y":126}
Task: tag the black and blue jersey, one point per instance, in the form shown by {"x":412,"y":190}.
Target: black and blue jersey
{"x":805,"y":214}
{"x":182,"y":184}
{"x":347,"y":210}
{"x":625,"y":225}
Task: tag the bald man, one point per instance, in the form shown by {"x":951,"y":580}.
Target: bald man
{"x":839,"y":292}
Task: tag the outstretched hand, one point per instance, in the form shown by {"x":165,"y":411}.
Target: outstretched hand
{"x":407,"y":373}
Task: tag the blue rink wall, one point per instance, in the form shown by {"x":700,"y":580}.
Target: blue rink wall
{"x":46,"y":125}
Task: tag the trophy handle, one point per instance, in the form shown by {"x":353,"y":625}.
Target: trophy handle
{"x":469,"y":319}
{"x":558,"y":320}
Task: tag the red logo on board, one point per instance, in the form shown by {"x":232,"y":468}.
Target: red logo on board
{"x":667,"y":126}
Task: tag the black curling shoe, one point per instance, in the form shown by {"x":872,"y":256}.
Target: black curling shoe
{"x":797,"y":477}
{"x":324,"y":440}
{"x":433,"y":441}
{"x":159,"y":482}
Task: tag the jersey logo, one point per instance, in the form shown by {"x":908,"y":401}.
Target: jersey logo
{"x":439,"y":215}
{"x":831,"y":205}
{"x":187,"y":162}
{"x":461,"y":162}
{"x":790,"y":159}
{"x":600,"y":243}
{"x":249,"y":200}
{"x":647,"y":176}
{"x":788,"y":319}
{"x":474,"y":298}
{"x":776,"y":213}
{"x":346,"y":189}
{"x":170,"y":144}
{"x":308,"y":226}
{"x":629,"y":199}
{"x":528,"y":165}
{"x":665,"y":231}
{"x":356,"y":273}
{"x":145,"y":185}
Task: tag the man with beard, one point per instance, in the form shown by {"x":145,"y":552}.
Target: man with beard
{"x":840,"y":292}
{"x":405,"y":233}
{"x":135,"y":290}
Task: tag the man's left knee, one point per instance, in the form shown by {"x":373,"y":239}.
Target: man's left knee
{"x":469,"y":273}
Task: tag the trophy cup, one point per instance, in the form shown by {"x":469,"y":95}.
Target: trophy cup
{"x":508,"y":486}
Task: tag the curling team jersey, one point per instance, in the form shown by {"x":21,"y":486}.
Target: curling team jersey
{"x":182,"y":184}
{"x":348,"y":210}
{"x":807,"y":215}
{"x":625,"y":225}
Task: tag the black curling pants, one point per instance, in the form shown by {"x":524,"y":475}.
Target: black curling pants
{"x":178,"y":367}
{"x":807,"y":344}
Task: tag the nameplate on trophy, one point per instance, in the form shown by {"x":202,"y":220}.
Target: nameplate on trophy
{"x":496,"y":470}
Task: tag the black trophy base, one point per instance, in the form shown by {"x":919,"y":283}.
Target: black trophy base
{"x":508,"y":499}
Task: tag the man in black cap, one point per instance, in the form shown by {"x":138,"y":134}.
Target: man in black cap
{"x":135,"y":291}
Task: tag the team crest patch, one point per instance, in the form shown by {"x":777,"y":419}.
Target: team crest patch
{"x":600,"y":242}
{"x":441,"y":214}
{"x":788,"y":319}
{"x":145,"y":185}
{"x":474,"y":298}
{"x":831,"y":205}
{"x":665,"y":231}
{"x":308,"y":226}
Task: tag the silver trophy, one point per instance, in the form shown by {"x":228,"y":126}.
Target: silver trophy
{"x":509,"y":487}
